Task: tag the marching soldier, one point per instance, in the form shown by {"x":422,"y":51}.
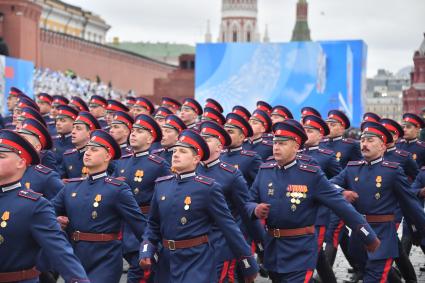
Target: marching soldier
{"x":120,"y":129}
{"x":97,"y":106}
{"x":28,"y":224}
{"x":140,"y":170}
{"x":287,"y":193}
{"x":64,"y":124}
{"x":93,"y":210}
{"x":183,"y":210}
{"x":412,"y":125}
{"x":189,"y":113}
{"x":261,"y":125}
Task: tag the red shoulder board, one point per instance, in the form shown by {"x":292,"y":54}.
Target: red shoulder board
{"x":43,"y":169}
{"x":308,"y":168}
{"x":421,"y":143}
{"x":303,"y":157}
{"x":402,"y":152}
{"x":69,"y":151}
{"x":355,"y":163}
{"x":326,"y":151}
{"x":29,"y":194}
{"x":267,"y":142}
{"x":248,"y":152}
{"x":163,"y":178}
{"x":159,"y":150}
{"x":155,"y":158}
{"x":227,"y":167}
{"x":268,"y":165}
{"x":127,"y":156}
{"x":390,"y":164}
{"x":113,"y":181}
{"x":348,"y":140}
{"x":204,"y":180}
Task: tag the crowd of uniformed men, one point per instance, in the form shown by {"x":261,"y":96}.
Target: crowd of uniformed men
{"x":186,"y":194}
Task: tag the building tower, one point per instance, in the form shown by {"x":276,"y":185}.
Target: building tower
{"x":239,"y":21}
{"x":301,"y":31}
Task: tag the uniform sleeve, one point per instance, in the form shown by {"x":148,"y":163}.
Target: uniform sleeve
{"x":340,"y":179}
{"x":152,"y":235}
{"x":55,"y":185}
{"x":127,"y":207}
{"x":356,"y":153}
{"x":58,"y":202}
{"x":219,"y":211}
{"x":411,"y":168}
{"x":328,"y":195}
{"x":253,"y":168}
{"x":47,"y":233}
{"x":62,"y":169}
{"x":419,"y":182}
{"x":333,"y":168}
{"x":49,"y":160}
{"x":254,"y":197}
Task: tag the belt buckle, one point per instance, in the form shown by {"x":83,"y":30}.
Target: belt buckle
{"x":76,"y":236}
{"x":276,"y":233}
{"x":171,"y":245}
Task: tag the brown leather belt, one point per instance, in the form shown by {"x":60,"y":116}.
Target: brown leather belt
{"x":380,"y":218}
{"x":278,"y":233}
{"x":184,"y":244}
{"x":145,"y":209}
{"x":19,"y":275}
{"x":93,"y":237}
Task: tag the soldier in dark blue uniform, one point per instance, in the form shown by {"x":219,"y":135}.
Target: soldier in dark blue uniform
{"x":241,"y":111}
{"x":120,"y":129}
{"x":160,"y":114}
{"x":78,"y":104}
{"x":28,"y":223}
{"x":172,"y":104}
{"x":97,"y":106}
{"x":170,"y":134}
{"x":12,"y":100}
{"x":310,"y":111}
{"x":64,"y":123}
{"x":44,"y":101}
{"x":142,"y":106}
{"x":130,"y":101}
{"x":210,"y":114}
{"x":112,"y":107}
{"x":380,"y":202}
{"x":214,"y":104}
{"x":57,"y":100}
{"x":261,"y":124}
{"x":140,"y":171}
{"x":280,"y":113}
{"x":39,"y":178}
{"x":287,"y":194}
{"x":95,"y":208}
{"x":190,"y":112}
{"x":412,"y":125}
{"x":264,"y":106}
{"x":28,"y":103}
{"x":72,"y":163}
{"x":183,"y":210}
{"x":371,"y":117}
{"x":246,"y":161}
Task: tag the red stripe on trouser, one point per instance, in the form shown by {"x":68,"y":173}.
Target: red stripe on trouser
{"x":308,"y":276}
{"x":253,"y":247}
{"x":232,"y":271}
{"x":387,"y":268}
{"x":146,"y":275}
{"x":224,"y":271}
{"x":338,"y":229}
{"x":397,"y":225}
{"x":321,"y":237}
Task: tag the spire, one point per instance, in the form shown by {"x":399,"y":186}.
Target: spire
{"x":266,"y":34}
{"x":208,"y":36}
{"x":301,"y":31}
{"x":422,"y":47}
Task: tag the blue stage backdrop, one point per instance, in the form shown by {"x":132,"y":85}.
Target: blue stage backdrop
{"x":326,"y":75}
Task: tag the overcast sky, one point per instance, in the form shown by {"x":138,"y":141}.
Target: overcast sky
{"x":392,"y":29}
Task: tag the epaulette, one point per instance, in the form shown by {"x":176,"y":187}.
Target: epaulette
{"x":355,"y":163}
{"x":155,"y":158}
{"x":75,"y":179}
{"x":204,"y":180}
{"x":348,"y":140}
{"x":267,"y":142}
{"x":69,"y":151}
{"x":270,"y":158}
{"x":56,"y":137}
{"x":390,"y":164}
{"x":402,"y":152}
{"x":163,"y":178}
{"x":423,"y":168}
{"x":267,"y":135}
{"x":227,"y":167}
{"x":268,"y":165}
{"x":127,"y":155}
{"x":43,"y":169}
{"x":308,"y":168}
{"x":156,"y":151}
{"x":248,"y":152}
{"x":400,"y":141}
{"x":324,"y":140}
{"x":326,"y":151}
{"x":223,"y":150}
{"x":51,"y":123}
{"x":303,"y":157}
{"x":113,"y":181}
{"x":421,"y":143}
{"x":29,"y":194}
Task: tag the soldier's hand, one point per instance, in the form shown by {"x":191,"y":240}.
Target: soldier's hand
{"x":372,"y":247}
{"x":251,"y":278}
{"x":262,"y":210}
{"x":422,"y":193}
{"x":63,"y":221}
{"x":350,"y":196}
{"x":145,"y":263}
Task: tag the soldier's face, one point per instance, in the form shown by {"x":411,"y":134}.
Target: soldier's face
{"x":257,"y":127}
{"x":137,"y":110}
{"x":11,"y":102}
{"x":276,"y":118}
{"x":80,"y":135}
{"x":236,"y":136}
{"x":64,"y":125}
{"x":109,"y":117}
{"x":410,"y":132}
{"x":96,"y":157}
{"x":285,"y":151}
{"x":169,"y":137}
{"x":214,"y":145}
{"x":314,"y":137}
{"x":10,"y":165}
{"x":33,"y":141}
{"x":184,"y":159}
{"x":44,"y":107}
{"x":187,"y":115}
{"x":160,"y":121}
{"x":140,"y":138}
{"x":97,"y":111}
{"x":372,"y":148}
{"x":119,"y":132}
{"x":336,"y":129}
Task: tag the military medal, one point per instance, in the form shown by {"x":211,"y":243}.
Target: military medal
{"x":414,"y":156}
{"x":74,"y":194}
{"x":1,"y":239}
{"x":293,"y":207}
{"x":4,"y":217}
{"x":162,"y":197}
{"x":356,"y":179}
{"x":97,"y":199}
{"x":84,"y":171}
{"x":94,"y":215}
{"x":122,"y":171}
{"x":338,"y":156}
{"x":378,"y":185}
{"x":138,"y":175}
{"x":70,"y":167}
{"x":271,"y":190}
{"x":136,"y":191}
{"x":377,"y":196}
{"x":27,"y":185}
{"x":187,"y":202}
{"x":183,"y":220}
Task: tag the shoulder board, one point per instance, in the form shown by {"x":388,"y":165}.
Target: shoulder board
{"x":56,"y":137}
{"x":421,"y":143}
{"x":75,"y":180}
{"x":227,"y":167}
{"x":69,"y":151}
{"x":348,"y":140}
{"x":267,"y":142}
{"x":423,"y":168}
{"x":43,"y":169}
{"x":223,"y":150}
{"x":303,"y":157}
{"x":355,"y":163}
{"x":204,"y":180}
{"x":267,"y":135}
{"x":248,"y":153}
{"x":270,"y":158}
{"x":268,"y":165}
{"x":326,"y":151}
{"x":324,"y":140}
{"x":308,"y":168}
{"x":29,"y":194}
{"x":402,"y":152}
{"x":155,"y":158}
{"x":113,"y":181}
{"x":156,"y":151}
{"x":390,"y":164}
{"x":163,"y":178}
{"x":127,"y":156}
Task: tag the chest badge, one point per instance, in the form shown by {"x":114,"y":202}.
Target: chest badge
{"x":356,"y":179}
{"x":97,"y":200}
{"x":414,"y":156}
{"x":138,"y":175}
{"x":162,"y":197}
{"x":1,"y":239}
{"x":5,"y":217}
{"x":28,"y":185}
{"x":183,"y":220}
{"x":136,"y":191}
{"x":70,"y":167}
{"x":187,"y":202}
{"x":271,"y":189}
{"x":236,"y":166}
{"x":378,"y":186}
{"x":296,"y":193}
{"x":84,"y":171}
{"x":338,"y":156}
{"x":122,"y":171}
{"x":94,"y":215}
{"x":74,"y":194}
